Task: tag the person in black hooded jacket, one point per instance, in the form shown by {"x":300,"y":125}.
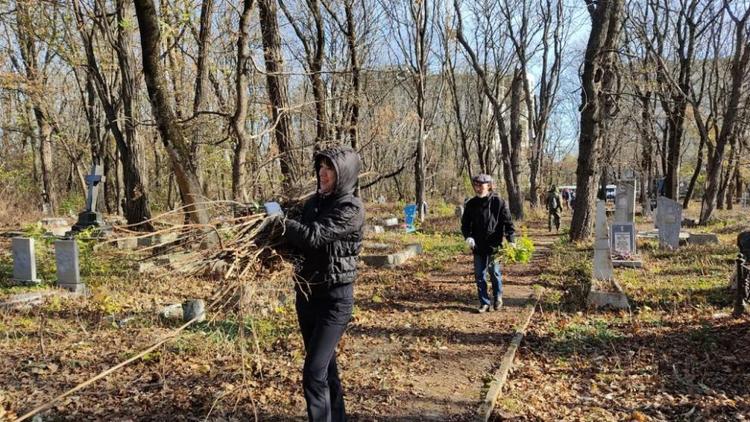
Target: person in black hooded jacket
{"x":486,"y":219}
{"x":328,"y":237}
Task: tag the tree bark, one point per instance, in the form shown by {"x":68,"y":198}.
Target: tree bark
{"x":598,"y":82}
{"x":204,"y":35}
{"x":124,"y":130}
{"x":277,"y":89}
{"x":171,"y":133}
{"x":35,"y":79}
{"x":242,"y":141}
{"x":740,"y":61}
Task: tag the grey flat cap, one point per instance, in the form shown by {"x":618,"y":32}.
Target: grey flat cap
{"x":482,"y":178}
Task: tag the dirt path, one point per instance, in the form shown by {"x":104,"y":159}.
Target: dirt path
{"x":418,"y":350}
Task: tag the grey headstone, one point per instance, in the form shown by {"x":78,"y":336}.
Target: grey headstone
{"x":24,"y":260}
{"x":68,"y":266}
{"x":625,"y":202}
{"x":623,"y":238}
{"x":603,"y":269}
{"x":459,"y":211}
{"x":669,"y":217}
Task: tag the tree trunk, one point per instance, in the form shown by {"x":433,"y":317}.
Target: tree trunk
{"x":204,"y":35}
{"x":516,"y":134}
{"x":696,"y":173}
{"x":277,"y":89}
{"x":137,"y":209}
{"x":598,"y":82}
{"x":739,"y":70}
{"x":242,"y":141}
{"x":171,"y":133}
{"x":124,"y":130}
{"x":29,"y":53}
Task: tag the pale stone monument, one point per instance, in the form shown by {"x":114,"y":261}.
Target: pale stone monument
{"x":602,"y":259}
{"x":24,"y":261}
{"x":669,"y":220}
{"x":625,"y":201}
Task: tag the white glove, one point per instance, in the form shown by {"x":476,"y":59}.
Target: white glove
{"x":470,"y":242}
{"x":513,"y":245}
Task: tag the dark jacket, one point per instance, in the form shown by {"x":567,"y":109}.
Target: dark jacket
{"x":487,"y":220}
{"x":329,"y":233}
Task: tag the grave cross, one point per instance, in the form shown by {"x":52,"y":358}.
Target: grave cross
{"x":92,"y":181}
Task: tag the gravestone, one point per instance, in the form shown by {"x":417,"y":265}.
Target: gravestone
{"x":90,"y":217}
{"x":669,"y":217}
{"x":24,"y":261}
{"x":602,"y":259}
{"x":623,"y":243}
{"x":459,"y":211}
{"x":745,"y":200}
{"x":68,"y":266}
{"x":623,"y":239}
{"x":625,"y":202}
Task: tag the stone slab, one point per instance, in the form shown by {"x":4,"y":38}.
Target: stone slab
{"x":621,"y":263}
{"x":390,"y":222}
{"x":610,"y":298}
{"x":702,"y":238}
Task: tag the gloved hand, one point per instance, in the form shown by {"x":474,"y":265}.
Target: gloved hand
{"x":273,"y":208}
{"x":470,"y":242}
{"x":513,"y":245}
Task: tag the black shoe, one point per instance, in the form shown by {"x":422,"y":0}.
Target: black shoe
{"x":498,"y":304}
{"x":484,"y":308}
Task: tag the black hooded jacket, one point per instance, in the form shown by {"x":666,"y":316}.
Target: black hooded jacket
{"x":487,"y":220}
{"x":330,"y":231}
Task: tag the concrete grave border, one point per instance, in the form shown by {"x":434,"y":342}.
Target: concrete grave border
{"x":394,"y":259}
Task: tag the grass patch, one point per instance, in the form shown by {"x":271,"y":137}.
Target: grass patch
{"x":574,"y":336}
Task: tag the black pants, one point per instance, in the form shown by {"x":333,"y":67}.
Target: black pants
{"x":322,"y":321}
{"x":553,"y":217}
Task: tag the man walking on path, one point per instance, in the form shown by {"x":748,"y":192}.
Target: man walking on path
{"x":554,"y":207}
{"x":485,"y":221}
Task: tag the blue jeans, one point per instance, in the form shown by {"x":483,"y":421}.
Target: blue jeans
{"x":484,"y":264}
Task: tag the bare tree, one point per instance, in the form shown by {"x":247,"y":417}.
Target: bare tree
{"x":35,"y":77}
{"x":277,"y":89}
{"x":314,"y":47}
{"x":171,"y":133}
{"x":737,"y":98}
{"x":242,"y":141}
{"x":549,"y":28}
{"x":510,"y":172}
{"x":597,"y":104}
